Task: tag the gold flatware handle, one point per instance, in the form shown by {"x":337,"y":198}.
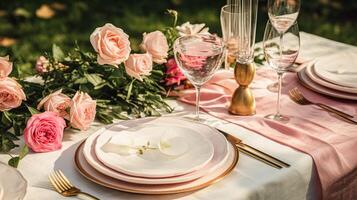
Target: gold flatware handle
{"x":257,"y":157}
{"x":345,"y":116}
{"x":255,"y":153}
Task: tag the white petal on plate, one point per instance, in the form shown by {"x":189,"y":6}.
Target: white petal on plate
{"x":124,"y":150}
{"x":175,"y":146}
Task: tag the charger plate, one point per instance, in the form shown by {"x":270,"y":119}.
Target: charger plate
{"x":90,"y":173}
{"x":218,"y":140}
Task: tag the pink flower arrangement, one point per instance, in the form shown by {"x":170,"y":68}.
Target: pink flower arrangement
{"x":173,"y":72}
{"x":56,"y":102}
{"x":138,"y":65}
{"x":44,"y":132}
{"x":195,"y":62}
{"x":5,"y":67}
{"x":83,"y":110}
{"x":111,"y":44}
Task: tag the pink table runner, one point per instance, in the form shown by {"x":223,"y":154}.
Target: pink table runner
{"x":330,"y":142}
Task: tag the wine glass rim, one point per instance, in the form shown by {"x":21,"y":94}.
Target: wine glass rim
{"x":223,"y":9}
{"x":219,"y":46}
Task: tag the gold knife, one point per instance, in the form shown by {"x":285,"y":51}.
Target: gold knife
{"x":255,"y":153}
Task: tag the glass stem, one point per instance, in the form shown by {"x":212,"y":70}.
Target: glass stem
{"x":281,"y":45}
{"x":280,"y":76}
{"x":198,"y":90}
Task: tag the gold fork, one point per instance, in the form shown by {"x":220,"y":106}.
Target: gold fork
{"x":298,"y":98}
{"x":64,"y":187}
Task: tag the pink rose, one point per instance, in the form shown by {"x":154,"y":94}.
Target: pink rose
{"x":111,"y":44}
{"x":42,"y":65}
{"x":44,"y":132}
{"x":138,"y":64}
{"x":82,"y":111}
{"x":5,"y":67}
{"x":56,"y":102}
{"x":155,"y":43}
{"x":11,"y":94}
{"x":173,"y":72}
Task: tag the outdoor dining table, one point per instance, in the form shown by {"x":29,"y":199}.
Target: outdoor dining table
{"x":250,"y":179}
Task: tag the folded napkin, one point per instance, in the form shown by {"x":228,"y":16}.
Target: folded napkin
{"x":331,"y":143}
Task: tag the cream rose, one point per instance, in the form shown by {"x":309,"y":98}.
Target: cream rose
{"x":11,"y":94}
{"x":155,"y":44}
{"x":138,"y":65}
{"x":111,"y":44}
{"x":82,"y":112}
{"x":56,"y":102}
{"x":5,"y":66}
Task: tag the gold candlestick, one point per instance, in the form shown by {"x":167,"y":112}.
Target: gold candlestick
{"x":243,"y":102}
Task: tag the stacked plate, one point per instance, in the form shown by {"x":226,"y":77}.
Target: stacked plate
{"x":156,"y":156}
{"x":334,"y":76}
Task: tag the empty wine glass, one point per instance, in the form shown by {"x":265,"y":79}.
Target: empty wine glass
{"x":198,"y":56}
{"x":279,"y":56}
{"x":282,"y":15}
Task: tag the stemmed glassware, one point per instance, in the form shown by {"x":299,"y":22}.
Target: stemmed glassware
{"x":282,"y":15}
{"x":198,"y":56}
{"x":280,"y":57}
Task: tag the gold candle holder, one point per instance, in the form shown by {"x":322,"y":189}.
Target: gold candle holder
{"x":243,"y":102}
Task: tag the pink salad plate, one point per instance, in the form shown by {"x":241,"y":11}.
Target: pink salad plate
{"x":310,"y":71}
{"x":307,"y":82}
{"x":210,"y":178}
{"x":219,"y":142}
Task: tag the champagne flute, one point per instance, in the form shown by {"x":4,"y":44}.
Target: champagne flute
{"x":282,"y":14}
{"x":280,"y":57}
{"x":198,"y":56}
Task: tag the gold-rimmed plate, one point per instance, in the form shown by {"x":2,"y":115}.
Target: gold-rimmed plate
{"x":90,"y":173}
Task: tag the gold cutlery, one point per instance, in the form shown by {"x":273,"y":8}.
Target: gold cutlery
{"x":298,"y":98}
{"x":64,"y":187}
{"x":255,"y":153}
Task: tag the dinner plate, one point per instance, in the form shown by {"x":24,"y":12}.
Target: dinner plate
{"x":171,"y":150}
{"x":12,"y":184}
{"x":90,"y":173}
{"x":340,"y":69}
{"x":219,"y":142}
{"x":307,"y":82}
{"x":310,"y":71}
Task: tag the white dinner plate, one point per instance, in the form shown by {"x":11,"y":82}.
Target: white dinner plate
{"x":185,"y":150}
{"x":306,"y":81}
{"x":12,"y":184}
{"x":310,"y":71}
{"x":90,"y":173}
{"x":340,"y":69}
{"x":218,"y":140}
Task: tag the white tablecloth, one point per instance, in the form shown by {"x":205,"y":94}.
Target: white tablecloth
{"x":250,"y":179}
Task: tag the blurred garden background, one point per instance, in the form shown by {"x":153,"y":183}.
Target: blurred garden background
{"x":28,"y":28}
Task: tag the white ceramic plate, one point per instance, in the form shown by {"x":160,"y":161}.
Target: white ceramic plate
{"x":306,"y":81}
{"x":90,"y":173}
{"x":198,"y":150}
{"x":12,"y":184}
{"x":310,"y":71}
{"x":218,"y":140}
{"x":340,"y":69}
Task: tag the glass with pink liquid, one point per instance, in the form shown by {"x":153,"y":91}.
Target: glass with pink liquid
{"x":198,"y":56}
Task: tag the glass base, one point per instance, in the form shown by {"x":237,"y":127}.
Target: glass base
{"x":278,"y":117}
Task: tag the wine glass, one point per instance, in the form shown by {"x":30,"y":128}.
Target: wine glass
{"x":198,"y":56}
{"x":282,"y":14}
{"x":280,"y":57}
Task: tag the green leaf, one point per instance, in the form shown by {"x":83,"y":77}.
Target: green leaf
{"x":6,"y":118}
{"x":14,"y":161}
{"x":32,"y":110}
{"x":24,"y":151}
{"x":129,"y":89}
{"x":95,"y":79}
{"x":57,"y":53}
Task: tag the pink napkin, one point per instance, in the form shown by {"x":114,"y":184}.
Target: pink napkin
{"x":330,"y":142}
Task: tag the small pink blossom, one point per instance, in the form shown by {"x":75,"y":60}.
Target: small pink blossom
{"x":5,"y":67}
{"x":44,"y":132}
{"x":195,"y":62}
{"x":173,"y":72}
{"x":42,"y":64}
